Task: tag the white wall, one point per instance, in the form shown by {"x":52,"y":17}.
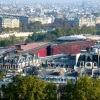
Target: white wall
{"x":20,"y":34}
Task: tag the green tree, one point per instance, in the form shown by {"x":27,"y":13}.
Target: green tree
{"x":59,"y":32}
{"x":28,"y":88}
{"x":51,"y":91}
{"x":85,"y":89}
{"x":4,"y":43}
{"x":37,"y":25}
{"x":34,"y":26}
{"x":34,"y":36}
{"x":49,"y":37}
{"x":24,"y":28}
{"x":13,"y":39}
{"x":89,"y":87}
{"x":1,"y":75}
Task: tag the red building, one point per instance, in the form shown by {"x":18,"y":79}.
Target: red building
{"x":35,"y":48}
{"x":42,"y":52}
{"x":48,"y":48}
{"x":72,"y":48}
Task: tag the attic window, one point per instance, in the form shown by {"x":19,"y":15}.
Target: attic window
{"x":88,"y":64}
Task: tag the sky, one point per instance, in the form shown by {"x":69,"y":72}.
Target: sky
{"x":40,"y":1}
{"x":44,"y":1}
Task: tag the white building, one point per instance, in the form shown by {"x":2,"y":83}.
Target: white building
{"x":18,"y":62}
{"x":88,"y":21}
{"x":83,"y":21}
{"x":43,"y":20}
{"x":88,"y":59}
{"x":9,"y":22}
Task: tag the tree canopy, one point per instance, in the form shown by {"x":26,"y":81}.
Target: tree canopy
{"x":11,"y":40}
{"x":58,"y":32}
{"x":29,"y":88}
{"x":1,"y":75}
{"x":85,"y":89}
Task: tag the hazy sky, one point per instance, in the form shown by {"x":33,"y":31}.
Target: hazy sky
{"x":40,"y":1}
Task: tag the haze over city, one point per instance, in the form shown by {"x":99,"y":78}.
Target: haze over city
{"x":43,"y":1}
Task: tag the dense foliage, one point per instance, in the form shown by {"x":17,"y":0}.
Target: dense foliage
{"x":85,"y":89}
{"x":9,"y":29}
{"x":1,"y":75}
{"x":12,"y":39}
{"x":58,"y":32}
{"x":47,"y":36}
{"x":31,"y":88}
{"x":31,"y":27}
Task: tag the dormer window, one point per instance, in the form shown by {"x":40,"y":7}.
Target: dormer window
{"x":95,"y":58}
{"x":82,"y":58}
{"x":82,"y":63}
{"x":88,"y":59}
{"x":95,"y":64}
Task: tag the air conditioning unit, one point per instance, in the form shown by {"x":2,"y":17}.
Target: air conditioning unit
{"x":95,"y":65}
{"x":88,"y":65}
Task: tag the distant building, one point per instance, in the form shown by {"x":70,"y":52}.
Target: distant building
{"x":9,"y":22}
{"x":23,"y":20}
{"x":97,"y":20}
{"x":88,"y":21}
{"x":43,"y":20}
{"x":82,"y":21}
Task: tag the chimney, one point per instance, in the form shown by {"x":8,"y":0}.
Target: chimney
{"x":18,"y":46}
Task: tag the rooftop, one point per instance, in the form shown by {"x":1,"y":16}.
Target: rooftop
{"x":5,"y":50}
{"x":72,"y":38}
{"x":34,"y":45}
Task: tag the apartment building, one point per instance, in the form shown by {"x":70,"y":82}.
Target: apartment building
{"x":18,"y":61}
{"x":9,"y":22}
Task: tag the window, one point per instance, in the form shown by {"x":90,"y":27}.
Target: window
{"x":95,"y":64}
{"x":82,"y":63}
{"x":23,"y":59}
{"x":88,"y":64}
